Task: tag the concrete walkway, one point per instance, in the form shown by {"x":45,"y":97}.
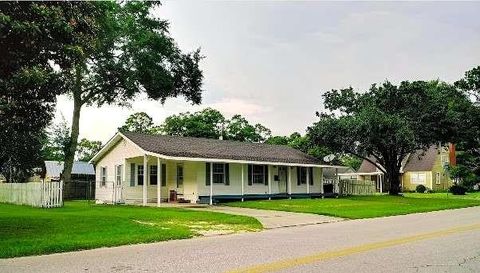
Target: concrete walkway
{"x":274,"y":219}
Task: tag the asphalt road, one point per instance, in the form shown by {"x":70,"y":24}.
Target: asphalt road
{"x":445,"y":241}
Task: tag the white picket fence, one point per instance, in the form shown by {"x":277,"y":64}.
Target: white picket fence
{"x":36,"y":194}
{"x":357,"y":187}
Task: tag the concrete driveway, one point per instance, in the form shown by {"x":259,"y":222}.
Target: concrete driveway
{"x":274,"y":219}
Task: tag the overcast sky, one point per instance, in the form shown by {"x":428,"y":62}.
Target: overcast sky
{"x":271,"y":61}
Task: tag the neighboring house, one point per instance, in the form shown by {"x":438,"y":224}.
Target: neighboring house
{"x":201,"y":170}
{"x":81,"y":171}
{"x":82,"y":185}
{"x":428,"y":168}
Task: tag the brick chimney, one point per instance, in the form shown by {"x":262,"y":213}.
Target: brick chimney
{"x":451,"y":154}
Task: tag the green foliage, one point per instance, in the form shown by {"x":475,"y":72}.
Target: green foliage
{"x":351,"y":161}
{"x":56,"y":141}
{"x":420,"y":189}
{"x":457,"y":190}
{"x":206,"y":123}
{"x":28,"y":231}
{"x":32,"y":36}
{"x":139,"y":122}
{"x":210,"y":123}
{"x":388,"y":122}
{"x":239,"y":129}
{"x":304,"y":144}
{"x":114,"y":51}
{"x":86,"y":149}
{"x":471,"y":83}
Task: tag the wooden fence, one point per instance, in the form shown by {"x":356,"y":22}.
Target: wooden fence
{"x":36,"y":194}
{"x":357,"y":187}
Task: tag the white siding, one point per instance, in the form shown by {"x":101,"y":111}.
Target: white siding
{"x":116,"y":156}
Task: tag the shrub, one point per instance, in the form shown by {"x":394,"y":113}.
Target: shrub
{"x":457,"y":190}
{"x":421,"y":189}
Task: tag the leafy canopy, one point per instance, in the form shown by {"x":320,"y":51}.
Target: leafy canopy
{"x":139,"y":122}
{"x":386,"y":123}
{"x":32,"y":36}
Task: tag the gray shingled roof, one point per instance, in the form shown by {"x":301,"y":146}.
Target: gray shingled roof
{"x":367,"y":167}
{"x":422,"y":160}
{"x":55,"y":168}
{"x":219,"y":149}
{"x":418,"y":161}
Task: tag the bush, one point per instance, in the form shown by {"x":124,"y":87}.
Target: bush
{"x":457,"y":190}
{"x":421,"y":189}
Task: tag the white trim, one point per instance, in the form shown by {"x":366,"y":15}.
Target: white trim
{"x":218,"y":160}
{"x":145,"y":181}
{"x":353,"y":174}
{"x":159,"y":182}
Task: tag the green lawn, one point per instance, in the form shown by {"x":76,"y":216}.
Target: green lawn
{"x":367,"y":206}
{"x":79,"y":225}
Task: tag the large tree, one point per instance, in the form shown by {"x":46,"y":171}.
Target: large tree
{"x":139,"y":122}
{"x":210,"y":123}
{"x":127,"y":51}
{"x":33,"y":35}
{"x":388,"y":122}
{"x":239,"y":129}
{"x":206,"y":123}
{"x":87,"y":149}
{"x":468,"y":163}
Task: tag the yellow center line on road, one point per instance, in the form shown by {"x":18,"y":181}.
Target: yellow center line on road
{"x":321,"y":256}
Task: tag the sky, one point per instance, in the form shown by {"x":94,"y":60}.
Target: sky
{"x":272,"y":61}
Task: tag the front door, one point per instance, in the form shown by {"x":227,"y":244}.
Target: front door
{"x":282,"y":179}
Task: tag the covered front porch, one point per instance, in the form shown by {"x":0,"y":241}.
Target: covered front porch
{"x":151,"y":179}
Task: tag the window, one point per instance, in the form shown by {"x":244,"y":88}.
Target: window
{"x":437,"y":179}
{"x":118,"y":174}
{"x":258,"y":174}
{"x":302,"y":175}
{"x":445,"y":160}
{"x":153,"y":175}
{"x":140,"y":175}
{"x":103,"y":176}
{"x":418,"y":178}
{"x":218,"y":173}
{"x":179,"y":175}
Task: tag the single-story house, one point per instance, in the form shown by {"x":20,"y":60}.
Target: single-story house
{"x":428,"y":168}
{"x":136,"y":167}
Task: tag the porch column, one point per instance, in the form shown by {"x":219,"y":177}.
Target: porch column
{"x":321,"y":182}
{"x":211,"y":183}
{"x":145,"y":171}
{"x":269,"y":182}
{"x":159,"y":181}
{"x":308,"y":180}
{"x":380,"y":176}
{"x":243,"y":180}
{"x":337,"y":181}
{"x":289,"y":182}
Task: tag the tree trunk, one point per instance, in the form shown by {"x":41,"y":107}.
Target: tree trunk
{"x":72,"y":146}
{"x":393,"y":176}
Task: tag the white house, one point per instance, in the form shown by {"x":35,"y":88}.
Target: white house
{"x":135,"y":167}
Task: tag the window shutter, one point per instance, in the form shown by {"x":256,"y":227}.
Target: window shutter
{"x":310,"y":170}
{"x":265,"y":171}
{"x":164,"y":175}
{"x":227,"y":174}
{"x":207,"y":173}
{"x":132,"y":174}
{"x":250,"y":175}
{"x":299,"y":175}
